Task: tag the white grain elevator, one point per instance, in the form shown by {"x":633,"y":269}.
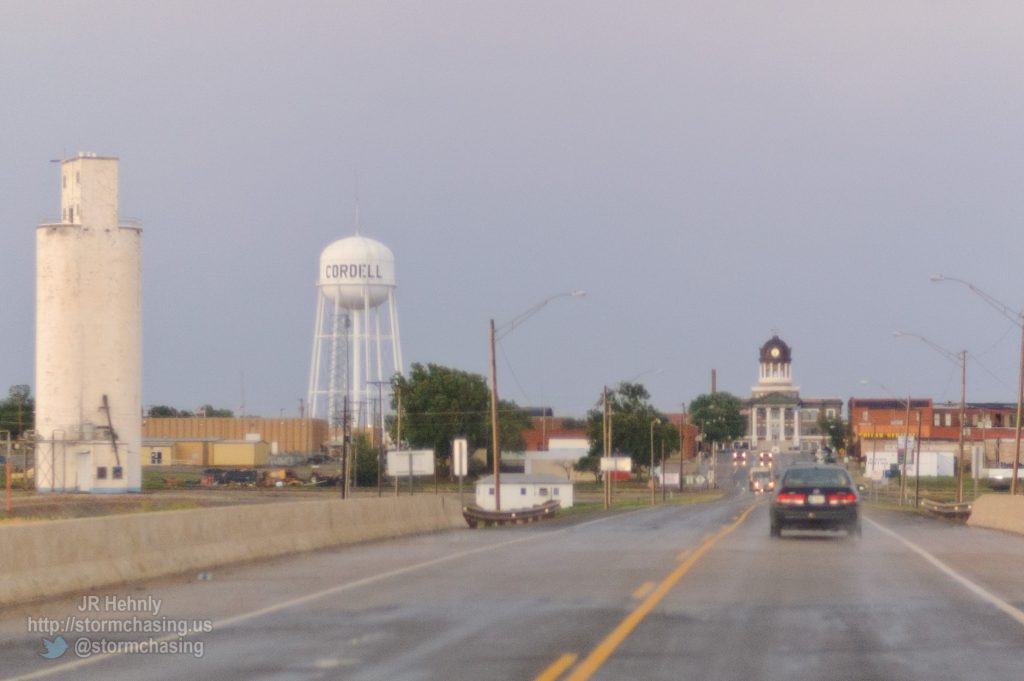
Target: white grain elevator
{"x":88,"y":337}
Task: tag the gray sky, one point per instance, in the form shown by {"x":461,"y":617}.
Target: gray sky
{"x":710,"y":172}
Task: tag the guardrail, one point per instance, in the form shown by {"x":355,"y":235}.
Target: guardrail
{"x":960,"y":512}
{"x":476,"y":516}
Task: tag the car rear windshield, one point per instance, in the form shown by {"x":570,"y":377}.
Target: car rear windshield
{"x":817,"y":477}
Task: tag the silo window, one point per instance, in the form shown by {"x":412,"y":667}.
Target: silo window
{"x":65,"y":182}
{"x":71,"y":214}
{"x":78,"y":177}
{"x":118,"y":472}
{"x":101,"y":473}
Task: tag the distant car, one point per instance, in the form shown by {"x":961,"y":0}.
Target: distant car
{"x":817,"y":497}
{"x":739,"y":458}
{"x":761,"y":479}
{"x":765,"y":458}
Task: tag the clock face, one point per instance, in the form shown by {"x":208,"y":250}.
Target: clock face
{"x":775,"y":352}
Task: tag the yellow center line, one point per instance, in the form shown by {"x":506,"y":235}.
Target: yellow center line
{"x":643,"y":590}
{"x":605,"y":648}
{"x":683,"y":554}
{"x":557,"y":667}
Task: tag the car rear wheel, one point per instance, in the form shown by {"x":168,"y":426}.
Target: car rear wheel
{"x":776,"y":530}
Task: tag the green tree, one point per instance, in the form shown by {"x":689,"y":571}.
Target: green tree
{"x":162,"y":411}
{"x":210,"y":411}
{"x":836,"y":431}
{"x":718,"y":416}
{"x":440,"y":403}
{"x":574,"y":424}
{"x":18,"y":411}
{"x":366,"y":456}
{"x":632,"y":414}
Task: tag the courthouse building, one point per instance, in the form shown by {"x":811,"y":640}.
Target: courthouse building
{"x":778,"y":417}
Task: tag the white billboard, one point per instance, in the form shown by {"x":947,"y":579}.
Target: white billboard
{"x":399,"y":461}
{"x":616,"y":463}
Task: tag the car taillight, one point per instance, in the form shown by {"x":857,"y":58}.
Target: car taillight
{"x":841,"y":498}
{"x":791,"y":498}
{"x":771,"y":485}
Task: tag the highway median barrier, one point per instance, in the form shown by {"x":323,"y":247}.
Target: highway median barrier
{"x":998,"y":512}
{"x":47,"y":559}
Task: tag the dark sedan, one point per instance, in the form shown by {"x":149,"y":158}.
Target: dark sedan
{"x":817,"y":497}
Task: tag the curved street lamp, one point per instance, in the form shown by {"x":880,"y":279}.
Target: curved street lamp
{"x":496,"y":333}
{"x":906,"y":437}
{"x":959,"y":358}
{"x":1017,"y":317}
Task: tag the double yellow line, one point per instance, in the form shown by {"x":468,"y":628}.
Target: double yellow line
{"x":592,"y":662}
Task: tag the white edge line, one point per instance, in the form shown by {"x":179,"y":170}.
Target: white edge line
{"x":981,"y":592}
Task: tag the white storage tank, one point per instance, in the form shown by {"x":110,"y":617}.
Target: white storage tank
{"x":88,"y":337}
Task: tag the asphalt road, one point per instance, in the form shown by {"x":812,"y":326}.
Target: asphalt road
{"x":676,"y":592}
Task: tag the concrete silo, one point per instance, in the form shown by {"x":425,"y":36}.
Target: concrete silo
{"x":88,"y":337}
{"x":356,"y":280}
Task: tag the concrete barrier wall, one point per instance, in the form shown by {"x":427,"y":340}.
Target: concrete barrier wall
{"x":998,"y":512}
{"x":47,"y":559}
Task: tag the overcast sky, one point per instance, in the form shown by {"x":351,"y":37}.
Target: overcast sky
{"x":710,"y":173}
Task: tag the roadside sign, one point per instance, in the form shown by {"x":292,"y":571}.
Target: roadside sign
{"x":622,"y":464}
{"x":420,"y":460}
{"x":460,"y":456}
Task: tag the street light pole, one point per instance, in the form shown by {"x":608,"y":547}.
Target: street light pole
{"x":961,"y":359}
{"x":495,"y":454}
{"x":906,"y":453}
{"x":963,"y":417}
{"x":495,"y":333}
{"x":1017,"y":317}
{"x":653,"y":423}
{"x":1020,"y":400}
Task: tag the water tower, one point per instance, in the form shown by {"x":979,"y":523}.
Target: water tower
{"x":356,"y":318}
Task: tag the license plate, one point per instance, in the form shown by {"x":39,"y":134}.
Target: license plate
{"x":816,"y":499}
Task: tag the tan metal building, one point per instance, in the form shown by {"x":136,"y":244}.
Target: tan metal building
{"x":283,"y":436}
{"x":239,"y":453}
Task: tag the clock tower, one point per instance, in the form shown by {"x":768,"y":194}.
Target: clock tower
{"x":775,"y":401}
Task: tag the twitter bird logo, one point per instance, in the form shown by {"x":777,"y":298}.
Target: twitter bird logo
{"x":54,"y":648}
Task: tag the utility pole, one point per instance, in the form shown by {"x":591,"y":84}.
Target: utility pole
{"x":653,"y":423}
{"x":663,"y":470}
{"x":906,"y":453}
{"x":6,"y":435}
{"x":495,"y":441}
{"x":607,"y":432}
{"x":682,"y":445}
{"x":917,"y":464}
{"x":963,"y":417}
{"x":380,"y":443}
{"x":345,"y":484}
